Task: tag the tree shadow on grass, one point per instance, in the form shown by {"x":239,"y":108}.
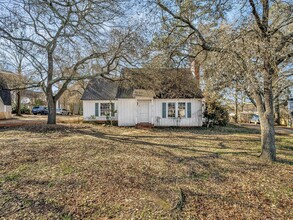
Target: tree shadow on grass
{"x":15,"y":202}
{"x":219,"y":144}
{"x":284,"y":161}
{"x":140,"y":139}
{"x":137,"y":140}
{"x":219,"y":130}
{"x":187,"y":156}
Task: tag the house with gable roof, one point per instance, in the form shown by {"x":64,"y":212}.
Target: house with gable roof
{"x":160,"y":97}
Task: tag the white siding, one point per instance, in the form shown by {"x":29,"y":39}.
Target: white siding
{"x":196,"y":113}
{"x":5,"y":110}
{"x":127,"y":112}
{"x":89,"y":110}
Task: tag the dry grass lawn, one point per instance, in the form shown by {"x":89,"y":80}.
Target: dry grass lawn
{"x":96,"y":172}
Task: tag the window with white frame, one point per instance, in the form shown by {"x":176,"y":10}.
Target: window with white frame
{"x":171,"y":110}
{"x":181,"y":109}
{"x":107,"y":109}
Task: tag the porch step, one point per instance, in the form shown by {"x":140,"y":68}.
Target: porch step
{"x":144,"y":125}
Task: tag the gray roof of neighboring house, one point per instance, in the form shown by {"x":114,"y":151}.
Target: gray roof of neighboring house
{"x":4,"y":92}
{"x":132,"y":86}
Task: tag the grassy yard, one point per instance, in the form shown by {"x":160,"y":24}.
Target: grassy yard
{"x":96,"y":172}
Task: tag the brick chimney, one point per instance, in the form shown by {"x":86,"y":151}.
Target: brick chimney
{"x":195,"y":68}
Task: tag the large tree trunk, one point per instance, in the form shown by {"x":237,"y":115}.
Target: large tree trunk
{"x":49,"y":91}
{"x":52,"y":111}
{"x":268,"y":137}
{"x":52,"y":108}
{"x":265,"y":109}
{"x":267,"y":119}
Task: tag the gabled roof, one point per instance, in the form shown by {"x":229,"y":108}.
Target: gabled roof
{"x":165,"y":83}
{"x":159,"y":83}
{"x":4,"y":92}
{"x":100,"y":89}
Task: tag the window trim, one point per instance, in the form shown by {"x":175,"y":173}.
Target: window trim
{"x":176,"y":109}
{"x":175,"y":105}
{"x":103,"y":103}
{"x":185,"y":109}
{"x":99,"y":108}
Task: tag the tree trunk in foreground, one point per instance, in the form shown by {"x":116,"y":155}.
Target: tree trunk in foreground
{"x":267,"y":119}
{"x":265,"y":109}
{"x":268,"y":146}
{"x":49,"y":90}
{"x":52,"y":110}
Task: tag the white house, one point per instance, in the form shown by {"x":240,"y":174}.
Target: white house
{"x":5,"y":100}
{"x":166,"y":98}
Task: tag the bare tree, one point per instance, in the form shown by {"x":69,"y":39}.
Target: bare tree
{"x":252,"y":46}
{"x":67,"y":38}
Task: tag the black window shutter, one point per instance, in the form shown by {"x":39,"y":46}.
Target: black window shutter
{"x":97,"y":109}
{"x":164,"y":110}
{"x":188,"y":109}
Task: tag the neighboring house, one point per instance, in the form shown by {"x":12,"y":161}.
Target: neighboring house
{"x":164,"y":97}
{"x":5,"y":100}
{"x":30,"y":98}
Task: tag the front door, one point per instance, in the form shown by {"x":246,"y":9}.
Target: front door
{"x":143,"y":111}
